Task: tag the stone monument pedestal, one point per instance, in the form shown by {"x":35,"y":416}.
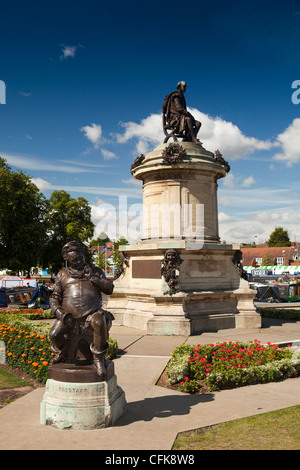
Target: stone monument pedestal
{"x":76,"y":399}
{"x":181,"y":213}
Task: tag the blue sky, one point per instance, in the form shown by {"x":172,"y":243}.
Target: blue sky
{"x":85,"y":82}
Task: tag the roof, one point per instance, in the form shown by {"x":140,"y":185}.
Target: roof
{"x":249,"y":254}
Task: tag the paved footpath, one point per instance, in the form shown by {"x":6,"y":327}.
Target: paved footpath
{"x":154,"y":415}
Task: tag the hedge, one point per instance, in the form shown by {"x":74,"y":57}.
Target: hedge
{"x":280,"y":313}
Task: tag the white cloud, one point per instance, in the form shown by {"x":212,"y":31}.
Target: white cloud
{"x":243,"y":232}
{"x":224,"y":201}
{"x":279,"y":208}
{"x":134,"y":193}
{"x":148,"y":132}
{"x":27,"y":162}
{"x":119,"y":220}
{"x":229,"y":181}
{"x":215,"y":133}
{"x":289,"y":141}
{"x":248,"y":182}
{"x":93,"y":133}
{"x":68,"y":51}
{"x":225,"y":217}
{"x":280,"y":216}
{"x":108,"y":155}
{"x":257,"y":229}
{"x":41,"y":184}
{"x":132,"y":181}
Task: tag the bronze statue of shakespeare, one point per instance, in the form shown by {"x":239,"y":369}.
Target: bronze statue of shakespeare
{"x":82,"y":326}
{"x":177,"y":119}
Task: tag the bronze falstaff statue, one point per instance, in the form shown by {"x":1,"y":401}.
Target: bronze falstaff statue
{"x":81,"y":331}
{"x":177,"y":119}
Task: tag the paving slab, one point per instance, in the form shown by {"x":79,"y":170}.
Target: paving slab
{"x":155,"y":345}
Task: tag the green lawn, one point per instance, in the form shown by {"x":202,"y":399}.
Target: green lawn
{"x":8,"y":380}
{"x":276,"y":430}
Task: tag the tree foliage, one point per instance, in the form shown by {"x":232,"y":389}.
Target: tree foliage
{"x":33,"y":229}
{"x":67,"y":219}
{"x":100,"y":240}
{"x":22,"y":220}
{"x":116,"y":253}
{"x":279,"y":237}
{"x":267,"y":260}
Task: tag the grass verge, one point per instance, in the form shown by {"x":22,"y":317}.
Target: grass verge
{"x":9,"y":380}
{"x":276,"y":430}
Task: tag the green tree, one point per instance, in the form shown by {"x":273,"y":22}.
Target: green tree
{"x":100,"y":261}
{"x":267,"y":260}
{"x":100,"y":240}
{"x":22,"y":220}
{"x":116,"y":253}
{"x":67,"y":219}
{"x":279,"y":237}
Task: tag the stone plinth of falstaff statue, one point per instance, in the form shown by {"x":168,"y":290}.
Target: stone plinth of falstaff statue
{"x":81,"y":391}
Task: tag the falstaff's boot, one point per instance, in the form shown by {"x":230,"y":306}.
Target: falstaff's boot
{"x":99,"y":360}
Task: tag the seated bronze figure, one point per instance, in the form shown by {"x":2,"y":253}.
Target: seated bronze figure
{"x":81,"y":331}
{"x":177,"y":121}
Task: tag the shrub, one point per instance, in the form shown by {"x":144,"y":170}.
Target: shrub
{"x":178,"y":367}
{"x":284,"y":313}
{"x":189,"y":386}
{"x":232,"y":364}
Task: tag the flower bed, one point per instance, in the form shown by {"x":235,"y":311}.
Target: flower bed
{"x":27,"y":351}
{"x":230,"y":364}
{"x":28,"y":347}
{"x":31,"y":314}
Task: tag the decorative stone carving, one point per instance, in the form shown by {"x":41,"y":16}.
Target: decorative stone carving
{"x":173,"y":154}
{"x":237,"y":260}
{"x":138,"y":161}
{"x":170,"y":267}
{"x":222,"y":161}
